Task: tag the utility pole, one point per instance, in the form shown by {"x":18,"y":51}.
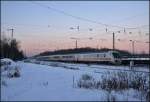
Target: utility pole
{"x":76,"y":44}
{"x":113,"y":32}
{"x":12,"y":34}
{"x":149,"y":45}
{"x":132,"y":46}
{"x":113,"y":41}
{"x":78,"y":28}
{"x":75,"y":38}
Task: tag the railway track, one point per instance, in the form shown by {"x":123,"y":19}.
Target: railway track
{"x":74,"y":66}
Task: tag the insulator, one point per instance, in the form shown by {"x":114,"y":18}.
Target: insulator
{"x":90,"y":29}
{"x":106,"y":30}
{"x":124,"y":30}
{"x":78,"y":28}
{"x":130,"y":32}
{"x":71,"y":28}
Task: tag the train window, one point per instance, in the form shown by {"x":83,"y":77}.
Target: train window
{"x":56,"y":56}
{"x":97,"y":55}
{"x":67,"y":56}
{"x":64,"y":56}
{"x":104,"y":55}
{"x":70,"y":56}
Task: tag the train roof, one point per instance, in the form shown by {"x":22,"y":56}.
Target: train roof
{"x":80,"y":53}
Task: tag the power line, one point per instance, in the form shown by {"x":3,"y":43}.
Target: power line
{"x":130,"y":18}
{"x":35,"y":25}
{"x":80,"y":18}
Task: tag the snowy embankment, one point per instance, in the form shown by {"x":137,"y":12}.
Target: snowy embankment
{"x":55,"y":83}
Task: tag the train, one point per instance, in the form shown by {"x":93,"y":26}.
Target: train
{"x":110,"y":57}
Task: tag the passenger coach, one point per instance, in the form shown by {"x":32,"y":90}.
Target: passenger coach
{"x":112,"y":57}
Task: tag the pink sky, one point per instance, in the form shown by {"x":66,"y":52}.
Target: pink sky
{"x":40,"y":28}
{"x":34,"y":47}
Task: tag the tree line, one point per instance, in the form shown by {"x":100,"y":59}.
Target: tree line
{"x":10,"y":49}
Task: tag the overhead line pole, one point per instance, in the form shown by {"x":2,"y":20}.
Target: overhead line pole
{"x":76,"y":44}
{"x":80,"y":18}
{"x":75,"y":38}
{"x":133,"y":47}
{"x":12,"y":34}
{"x":113,"y":41}
{"x":133,"y":50}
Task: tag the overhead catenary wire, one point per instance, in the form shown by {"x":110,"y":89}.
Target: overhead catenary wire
{"x":130,"y":18}
{"x":85,"y":19}
{"x":82,"y":18}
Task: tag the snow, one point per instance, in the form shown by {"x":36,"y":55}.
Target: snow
{"x":7,"y":64}
{"x":8,"y":60}
{"x":53,"y":81}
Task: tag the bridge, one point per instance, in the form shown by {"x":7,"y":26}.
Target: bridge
{"x":136,"y":60}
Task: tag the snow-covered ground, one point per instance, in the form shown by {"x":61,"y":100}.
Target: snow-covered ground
{"x":53,"y":81}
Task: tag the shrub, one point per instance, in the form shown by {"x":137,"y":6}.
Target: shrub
{"x":13,"y":72}
{"x":124,"y":80}
{"x":86,"y":81}
{"x":116,"y":81}
{"x":86,"y":77}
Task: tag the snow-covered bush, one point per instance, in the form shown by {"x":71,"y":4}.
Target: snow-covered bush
{"x":10,"y":67}
{"x":116,"y":81}
{"x":124,"y":80}
{"x":112,"y":80}
{"x":5,"y":63}
{"x":13,"y":72}
{"x":86,"y":77}
{"x":86,"y":81}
